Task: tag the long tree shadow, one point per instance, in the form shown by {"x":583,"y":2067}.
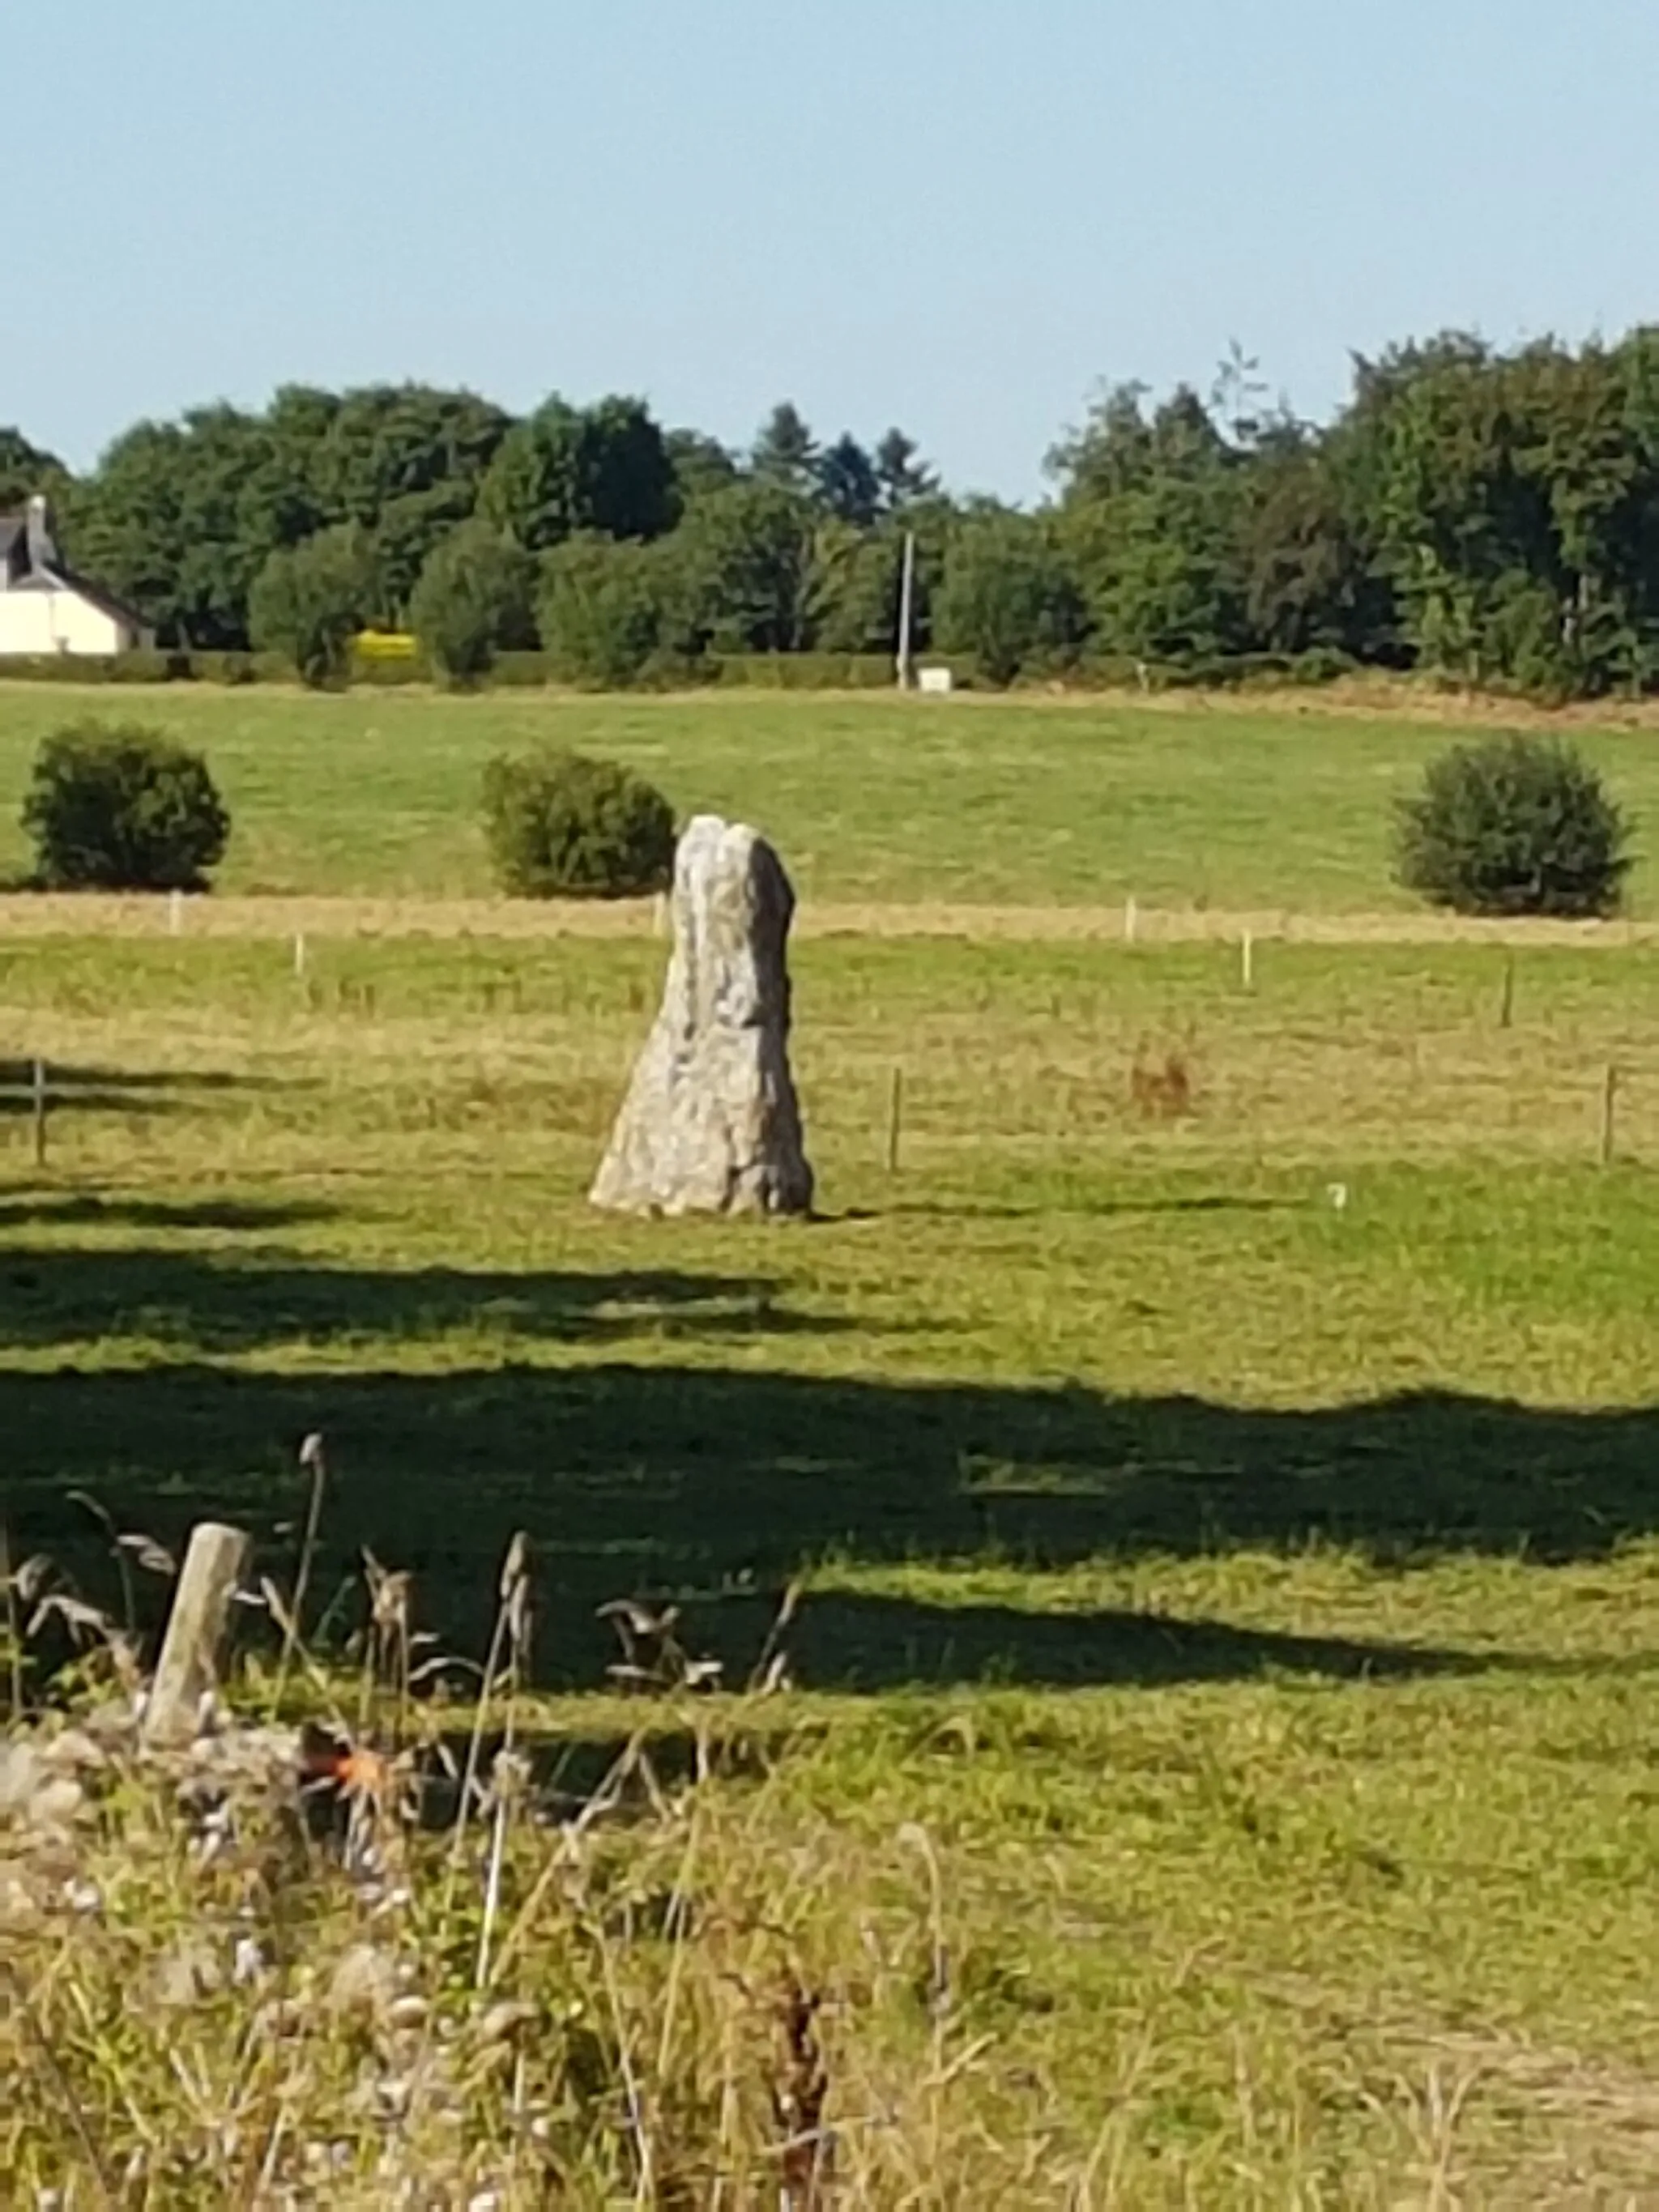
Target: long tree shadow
{"x":865,"y":1641}
{"x":1091,"y":1209}
{"x":223,"y":1303}
{"x":712,"y":1486}
{"x":72,"y":1209}
{"x":855,"y":1643}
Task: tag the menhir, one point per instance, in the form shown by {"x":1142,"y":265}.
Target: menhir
{"x":711,"y":1123}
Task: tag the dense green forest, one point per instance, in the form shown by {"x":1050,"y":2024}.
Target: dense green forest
{"x":1492,"y":515}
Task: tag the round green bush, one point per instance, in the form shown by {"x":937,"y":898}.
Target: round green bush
{"x":471,"y":598}
{"x":309,"y":601}
{"x":561,"y":826}
{"x":601,"y":612}
{"x":1514,"y":825}
{"x":120,"y":807}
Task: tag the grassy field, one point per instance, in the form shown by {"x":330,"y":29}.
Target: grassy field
{"x":1248,"y":1595}
{"x":1219,"y":1766}
{"x":985,"y":800}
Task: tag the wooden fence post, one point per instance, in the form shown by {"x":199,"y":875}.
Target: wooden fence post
{"x":1609,"y":1099}
{"x":192,"y":1648}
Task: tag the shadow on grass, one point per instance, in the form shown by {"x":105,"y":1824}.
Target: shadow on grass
{"x":715,"y":1485}
{"x":1100,"y":1210}
{"x":861,"y":1642}
{"x":206,"y":1301}
{"x":81,"y":1090}
{"x":84,"y":1209}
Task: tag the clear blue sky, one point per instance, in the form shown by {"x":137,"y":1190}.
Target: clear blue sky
{"x":959,"y":217}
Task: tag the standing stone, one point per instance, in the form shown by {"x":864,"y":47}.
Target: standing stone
{"x":711,"y":1123}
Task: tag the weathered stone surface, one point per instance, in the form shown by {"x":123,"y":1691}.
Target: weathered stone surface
{"x":711,"y":1123}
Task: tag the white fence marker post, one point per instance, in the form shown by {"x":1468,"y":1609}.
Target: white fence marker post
{"x":1130,"y":919}
{"x":1247,"y":960}
{"x":175,"y":912}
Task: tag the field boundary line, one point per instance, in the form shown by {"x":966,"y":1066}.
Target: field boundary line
{"x":33,"y":915}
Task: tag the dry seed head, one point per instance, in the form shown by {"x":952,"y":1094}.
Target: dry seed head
{"x":504,"y":2019}
{"x":153,"y":1557}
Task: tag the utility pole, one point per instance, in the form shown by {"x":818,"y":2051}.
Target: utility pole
{"x":907,"y":603}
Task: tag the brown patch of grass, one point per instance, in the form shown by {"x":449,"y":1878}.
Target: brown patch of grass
{"x":1161,"y":1093}
{"x":1366,"y":696}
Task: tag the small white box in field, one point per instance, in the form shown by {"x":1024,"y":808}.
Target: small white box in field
{"x":933,"y":680}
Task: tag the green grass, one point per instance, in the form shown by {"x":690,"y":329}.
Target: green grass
{"x":1251,"y":1598}
{"x":964,"y":799}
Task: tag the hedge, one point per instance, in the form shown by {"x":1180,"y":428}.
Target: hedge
{"x":1263,"y":670}
{"x":378,"y":669}
{"x":1217,"y":672}
{"x":95,"y":668}
{"x":142,"y":667}
{"x":378,"y":672}
{"x":804,"y":672}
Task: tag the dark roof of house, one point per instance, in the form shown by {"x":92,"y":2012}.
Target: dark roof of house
{"x":31,"y":527}
{"x":15,"y":535}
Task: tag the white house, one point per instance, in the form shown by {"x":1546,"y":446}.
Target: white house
{"x":44,"y":606}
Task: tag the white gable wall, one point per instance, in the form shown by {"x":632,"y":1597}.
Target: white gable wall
{"x":60,"y":620}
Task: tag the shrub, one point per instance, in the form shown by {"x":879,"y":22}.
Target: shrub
{"x":560,"y":826}
{"x":1515,"y":825}
{"x":308,"y":601}
{"x":601,"y":613}
{"x":473,"y":599}
{"x":120,"y":807}
{"x":1009,"y":599}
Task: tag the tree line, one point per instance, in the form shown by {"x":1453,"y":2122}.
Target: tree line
{"x":1489,"y":514}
